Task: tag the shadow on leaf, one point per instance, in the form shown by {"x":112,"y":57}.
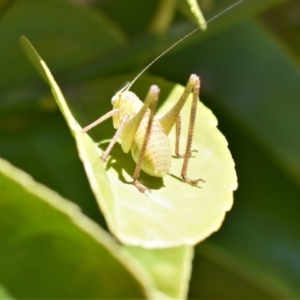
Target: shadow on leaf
{"x":122,"y":162}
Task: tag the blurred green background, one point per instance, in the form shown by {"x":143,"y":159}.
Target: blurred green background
{"x":248,"y":61}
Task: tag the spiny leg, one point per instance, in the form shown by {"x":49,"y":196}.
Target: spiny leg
{"x":116,"y":135}
{"x":114,"y":139}
{"x":196,"y":90}
{"x":153,"y":97}
{"x":172,"y":117}
{"x":177,"y":138}
{"x":178,"y":132}
{"x":100,"y":120}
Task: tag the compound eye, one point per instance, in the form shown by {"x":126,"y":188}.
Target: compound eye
{"x":114,"y":99}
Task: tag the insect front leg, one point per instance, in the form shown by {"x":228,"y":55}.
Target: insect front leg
{"x":116,"y":135}
{"x":114,"y":139}
{"x":173,"y":117}
{"x":100,"y":120}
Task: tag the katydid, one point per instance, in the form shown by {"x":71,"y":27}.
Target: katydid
{"x":145,"y":134}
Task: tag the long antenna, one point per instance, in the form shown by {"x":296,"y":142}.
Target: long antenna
{"x":182,"y":39}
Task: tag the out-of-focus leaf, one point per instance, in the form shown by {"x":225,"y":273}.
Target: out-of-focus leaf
{"x":4,"y":294}
{"x":196,"y":11}
{"x":66,"y":35}
{"x":162,"y":19}
{"x":66,"y":254}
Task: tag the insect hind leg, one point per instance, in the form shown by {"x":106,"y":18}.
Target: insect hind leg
{"x":153,"y":98}
{"x":177,"y":140}
{"x":194,"y":83}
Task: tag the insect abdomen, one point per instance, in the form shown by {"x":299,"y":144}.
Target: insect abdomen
{"x":157,"y":159}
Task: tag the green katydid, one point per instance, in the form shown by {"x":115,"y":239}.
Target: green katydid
{"x":145,"y":134}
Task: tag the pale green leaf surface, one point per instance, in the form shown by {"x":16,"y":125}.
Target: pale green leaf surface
{"x":170,"y":268}
{"x":174,"y":213}
{"x":65,"y":253}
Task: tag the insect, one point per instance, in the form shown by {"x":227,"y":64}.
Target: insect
{"x":145,"y":134}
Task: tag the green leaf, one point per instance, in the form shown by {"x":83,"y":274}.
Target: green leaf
{"x":170,"y":268}
{"x":4,"y":294}
{"x":174,"y":213}
{"x":65,"y":253}
{"x":163,"y":17}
